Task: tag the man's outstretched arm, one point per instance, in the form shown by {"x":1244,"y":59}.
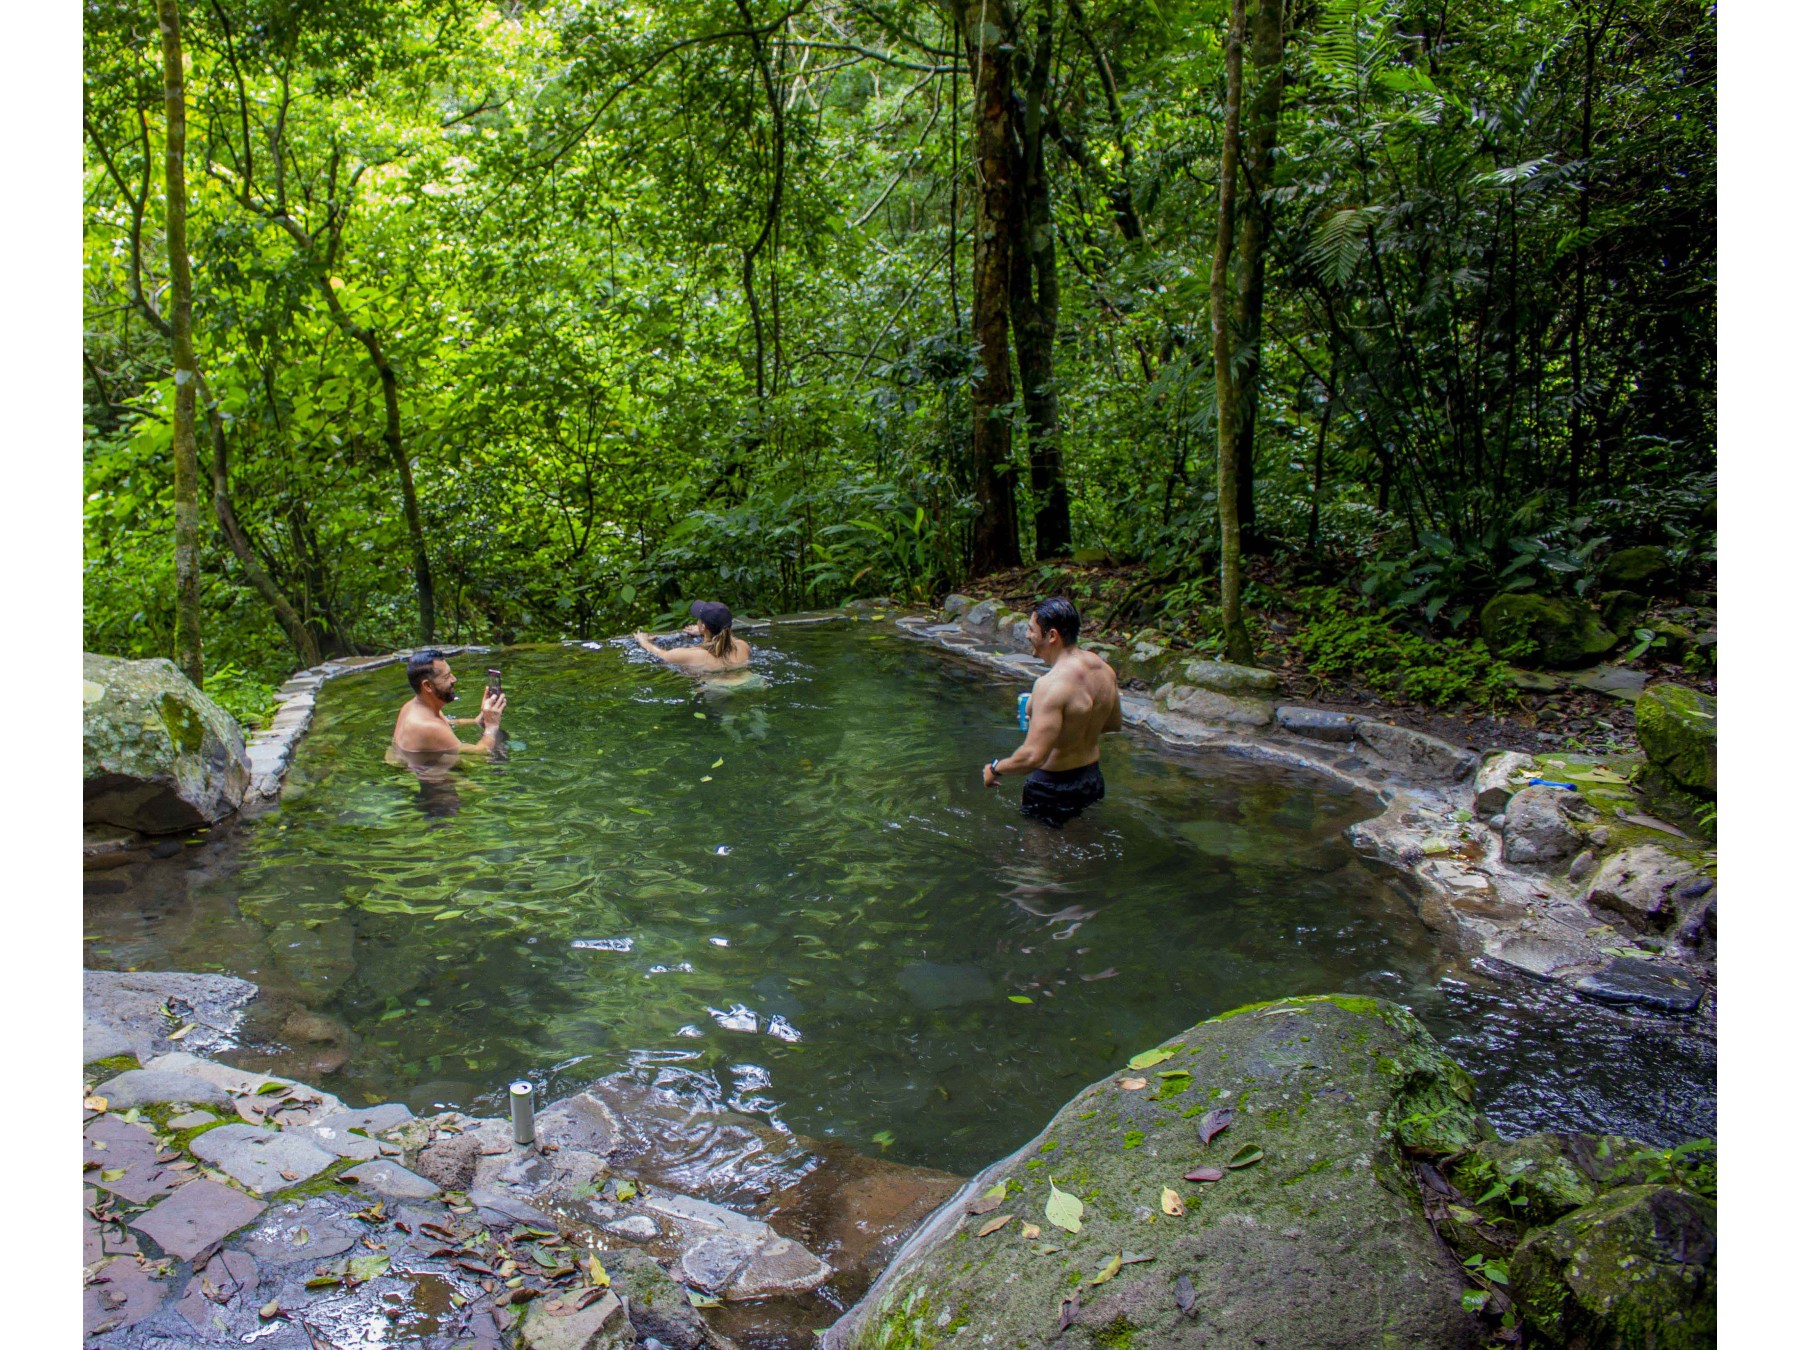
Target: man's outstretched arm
{"x":1040,"y":741}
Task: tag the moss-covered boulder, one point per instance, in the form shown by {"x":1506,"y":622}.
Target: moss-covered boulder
{"x":1678,"y":729}
{"x":1634,"y":1268}
{"x":1637,"y":567}
{"x":157,"y":755}
{"x":1553,"y":631}
{"x":1314,"y":1235}
{"x":1621,"y":611}
{"x":1519,"y":1184}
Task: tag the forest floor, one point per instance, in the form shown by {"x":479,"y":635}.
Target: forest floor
{"x":1118,"y":600}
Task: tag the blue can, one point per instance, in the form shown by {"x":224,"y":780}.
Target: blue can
{"x":1024,"y":712}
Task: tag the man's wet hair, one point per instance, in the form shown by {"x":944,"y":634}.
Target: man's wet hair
{"x":1058,"y":614}
{"x":419,"y":665}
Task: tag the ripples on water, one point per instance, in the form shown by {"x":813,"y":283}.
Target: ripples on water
{"x":799,"y":895}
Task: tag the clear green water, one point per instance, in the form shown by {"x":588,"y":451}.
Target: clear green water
{"x":840,"y":882}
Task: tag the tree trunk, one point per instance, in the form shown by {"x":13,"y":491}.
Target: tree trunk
{"x":1263,"y":119}
{"x":181,"y":294}
{"x":1237,"y":637}
{"x":988,"y":33}
{"x":306,"y":645}
{"x":1036,"y":300}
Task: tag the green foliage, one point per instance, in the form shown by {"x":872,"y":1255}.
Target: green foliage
{"x":1693,"y":1164}
{"x":1336,"y":644}
{"x":245,"y":697}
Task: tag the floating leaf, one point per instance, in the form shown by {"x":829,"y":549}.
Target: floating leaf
{"x":1149,"y":1059}
{"x":1215,"y":1122}
{"x":1017,"y":998}
{"x":1246,"y":1156}
{"x":1063,"y":1209}
{"x":706,"y":778}
{"x":882,"y":1137}
{"x":1205,"y":1174}
{"x":1107,"y":1271}
{"x":1134,"y":1084}
{"x":449,"y":914}
{"x":1171,"y":1203}
{"x":718,"y":763}
{"x":994,"y":1225}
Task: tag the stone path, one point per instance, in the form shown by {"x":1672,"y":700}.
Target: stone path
{"x":223,"y":1207}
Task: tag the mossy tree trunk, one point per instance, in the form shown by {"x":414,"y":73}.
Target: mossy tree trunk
{"x":989,"y":33}
{"x":181,"y":338}
{"x":1230,"y":391}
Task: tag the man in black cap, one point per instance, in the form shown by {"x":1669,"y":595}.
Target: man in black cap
{"x":718,"y":649}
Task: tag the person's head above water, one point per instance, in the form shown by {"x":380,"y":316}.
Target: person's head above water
{"x":1055,"y":626}
{"x":714,"y":626}
{"x":429,"y":674}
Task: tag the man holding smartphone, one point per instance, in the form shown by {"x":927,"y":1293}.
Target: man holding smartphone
{"x":423,"y":727}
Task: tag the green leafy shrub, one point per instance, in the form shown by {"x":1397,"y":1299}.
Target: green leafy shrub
{"x":242,"y":695}
{"x":1365,"y":647}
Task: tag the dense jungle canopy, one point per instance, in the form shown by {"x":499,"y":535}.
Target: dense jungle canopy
{"x":527,"y":321}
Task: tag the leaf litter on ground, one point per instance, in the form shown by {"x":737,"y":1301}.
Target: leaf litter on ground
{"x":994,"y":1225}
{"x":1062,"y":1209}
{"x":1215,"y":1122}
{"x":1245,"y":1156}
{"x":1149,"y":1059}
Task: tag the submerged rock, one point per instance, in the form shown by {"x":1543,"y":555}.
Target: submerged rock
{"x":157,"y":755}
{"x":1317,"y":1237}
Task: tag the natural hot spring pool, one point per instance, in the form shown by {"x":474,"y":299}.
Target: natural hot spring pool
{"x":825,"y":912}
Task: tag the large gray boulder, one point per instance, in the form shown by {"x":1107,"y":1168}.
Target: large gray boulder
{"x":1419,"y":757}
{"x":1320,"y":1239}
{"x":157,"y":755}
{"x":1646,"y":886}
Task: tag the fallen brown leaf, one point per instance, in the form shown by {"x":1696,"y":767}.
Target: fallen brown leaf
{"x":1134,"y":1084}
{"x":994,"y":1225}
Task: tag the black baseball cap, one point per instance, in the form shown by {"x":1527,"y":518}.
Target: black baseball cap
{"x":716,"y":617}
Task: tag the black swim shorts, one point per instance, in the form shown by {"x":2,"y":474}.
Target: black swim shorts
{"x":1054,"y":796}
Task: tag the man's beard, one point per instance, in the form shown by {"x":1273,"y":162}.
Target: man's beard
{"x":447,"y":697}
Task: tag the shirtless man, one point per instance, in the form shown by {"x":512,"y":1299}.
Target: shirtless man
{"x":718,"y":649}
{"x":1072,"y":705}
{"x":422,"y":727}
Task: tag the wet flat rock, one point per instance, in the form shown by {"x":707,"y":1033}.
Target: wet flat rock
{"x":314,"y":1231}
{"x":1646,"y":984}
{"x":121,"y":1294}
{"x":390,"y":1180}
{"x":111,"y":1145}
{"x":145,"y":1087}
{"x":196,"y":1216}
{"x":227,"y":1279}
{"x":264,"y":1160}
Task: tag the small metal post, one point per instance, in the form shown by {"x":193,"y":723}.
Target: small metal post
{"x":523,"y":1132}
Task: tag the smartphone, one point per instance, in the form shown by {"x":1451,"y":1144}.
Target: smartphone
{"x":493,"y":683}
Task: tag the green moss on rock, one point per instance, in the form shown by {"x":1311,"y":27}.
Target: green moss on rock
{"x":1634,"y":1268}
{"x":1334,"y":1195}
{"x":1678,"y":728}
{"x":1553,"y":631}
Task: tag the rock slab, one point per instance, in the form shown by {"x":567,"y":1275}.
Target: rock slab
{"x":196,"y":1216}
{"x":263,"y":1160}
{"x":1325,"y":1231}
{"x":122,"y":1011}
{"x":1643,"y":885}
{"x":1422,"y":758}
{"x":157,"y":755}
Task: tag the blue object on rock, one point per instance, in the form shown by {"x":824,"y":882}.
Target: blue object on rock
{"x":1549,"y":782}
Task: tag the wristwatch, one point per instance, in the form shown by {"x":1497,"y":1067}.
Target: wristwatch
{"x":994,"y":764}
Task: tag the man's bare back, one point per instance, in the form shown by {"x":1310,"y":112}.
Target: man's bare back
{"x":1072,"y":705}
{"x":1082,"y":693}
